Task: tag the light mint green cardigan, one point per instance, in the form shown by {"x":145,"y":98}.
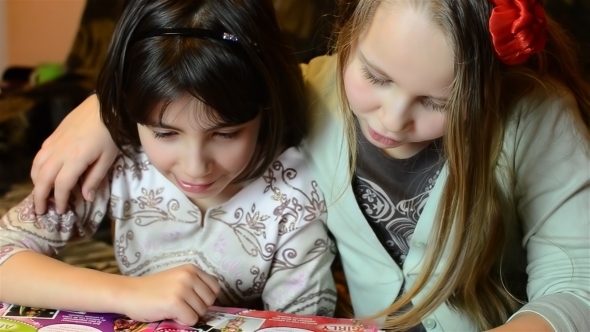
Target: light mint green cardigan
{"x":547,"y":210}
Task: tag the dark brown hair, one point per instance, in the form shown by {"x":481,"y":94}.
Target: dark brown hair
{"x":258,"y":74}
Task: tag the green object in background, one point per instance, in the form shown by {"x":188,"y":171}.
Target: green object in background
{"x":46,"y":72}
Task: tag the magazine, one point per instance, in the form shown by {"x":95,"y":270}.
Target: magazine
{"x":16,"y":318}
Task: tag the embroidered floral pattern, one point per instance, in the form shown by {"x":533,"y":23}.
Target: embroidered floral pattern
{"x":149,"y":198}
{"x":149,"y":212}
{"x":271,"y":236}
{"x":122,"y":243}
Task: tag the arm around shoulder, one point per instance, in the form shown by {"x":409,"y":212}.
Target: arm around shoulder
{"x":81,"y":145}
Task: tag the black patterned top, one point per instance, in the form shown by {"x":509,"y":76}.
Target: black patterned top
{"x":392,"y":192}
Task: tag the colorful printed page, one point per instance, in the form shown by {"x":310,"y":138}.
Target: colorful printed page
{"x":15,"y":318}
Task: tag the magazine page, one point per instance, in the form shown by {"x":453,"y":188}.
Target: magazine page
{"x":16,"y":318}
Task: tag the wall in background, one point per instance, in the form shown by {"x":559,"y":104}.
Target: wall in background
{"x":37,"y":31}
{"x":3,"y":44}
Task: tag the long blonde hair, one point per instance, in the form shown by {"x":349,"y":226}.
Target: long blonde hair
{"x":482,"y":92}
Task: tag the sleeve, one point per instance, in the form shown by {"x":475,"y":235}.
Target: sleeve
{"x":21,"y":229}
{"x":553,"y":201}
{"x":300,"y":280}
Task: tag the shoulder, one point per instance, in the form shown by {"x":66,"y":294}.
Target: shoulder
{"x":292,"y":156}
{"x":543,"y":106}
{"x":132,"y":164}
{"x":546,"y":118}
{"x":292,"y":168}
{"x":300,"y":200}
{"x":544,"y":141}
{"x":131,"y":155}
{"x":133,"y":173}
{"x":288,"y":186}
{"x":289,"y":171}
{"x":285,"y":198}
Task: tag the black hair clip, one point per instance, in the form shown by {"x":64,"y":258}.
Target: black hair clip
{"x":189,"y":32}
{"x":193,"y":32}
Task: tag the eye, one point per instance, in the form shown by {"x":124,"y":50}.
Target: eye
{"x":223,"y":135}
{"x":427,"y":102}
{"x":374,"y":79}
{"x":160,"y":135}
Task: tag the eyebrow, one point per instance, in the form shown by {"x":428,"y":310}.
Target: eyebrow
{"x":382,"y":73}
{"x":373,"y":67}
{"x":438,"y":99}
{"x":165,"y":125}
{"x":161,"y":125}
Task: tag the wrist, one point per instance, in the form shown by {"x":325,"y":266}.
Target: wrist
{"x":120,"y":293}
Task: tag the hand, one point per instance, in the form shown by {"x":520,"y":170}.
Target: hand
{"x":81,"y":143}
{"x":182,"y":294}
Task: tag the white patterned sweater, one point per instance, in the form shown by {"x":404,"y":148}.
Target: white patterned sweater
{"x":267,"y":243}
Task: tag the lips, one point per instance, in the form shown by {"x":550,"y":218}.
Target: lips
{"x":194,"y":188}
{"x":382,"y":139}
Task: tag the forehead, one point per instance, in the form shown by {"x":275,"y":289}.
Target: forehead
{"x":186,"y":109}
{"x":403,"y":41}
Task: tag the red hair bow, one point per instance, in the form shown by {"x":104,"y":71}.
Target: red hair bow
{"x":518,"y":29}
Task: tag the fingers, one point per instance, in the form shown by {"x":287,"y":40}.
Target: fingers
{"x":95,"y":174}
{"x":42,"y":179}
{"x":212,"y":284}
{"x":65,"y":155}
{"x":181,"y":294}
{"x":64,"y":183}
{"x":44,"y":155}
{"x":195,"y":309}
{"x":38,"y":162}
{"x":185,"y":314}
{"x":65,"y":175}
{"x":206,"y":287}
{"x":196,"y":303}
{"x":40,"y":194}
{"x":43,"y":185}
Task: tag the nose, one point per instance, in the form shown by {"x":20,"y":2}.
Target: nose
{"x":396,"y":114}
{"x":196,"y":162}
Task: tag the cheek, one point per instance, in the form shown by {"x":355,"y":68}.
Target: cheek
{"x":240,"y":153}
{"x":359,"y":91}
{"x":440,"y":124}
{"x":434,"y":126}
{"x":160,"y":157}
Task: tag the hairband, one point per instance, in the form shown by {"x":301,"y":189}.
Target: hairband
{"x":518,"y":29}
{"x":189,"y":32}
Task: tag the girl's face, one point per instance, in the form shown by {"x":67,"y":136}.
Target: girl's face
{"x":397,"y":80}
{"x":200,"y":159}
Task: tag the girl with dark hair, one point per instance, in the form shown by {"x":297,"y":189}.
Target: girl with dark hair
{"x":452,"y":141}
{"x":210,"y":201}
